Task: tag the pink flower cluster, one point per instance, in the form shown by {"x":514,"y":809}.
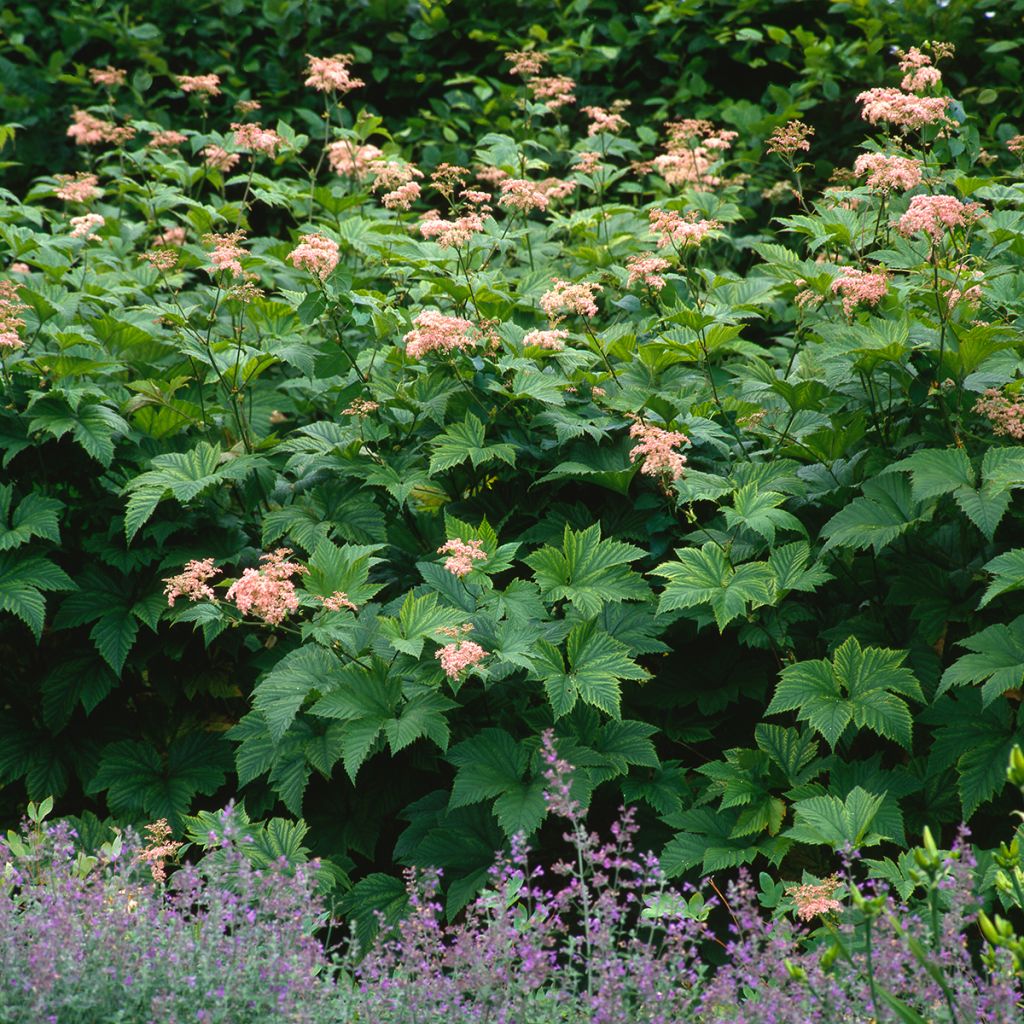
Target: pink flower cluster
{"x":566,"y":297}
{"x":159,"y":847}
{"x":10,"y":320}
{"x":352,"y":161}
{"x":646,"y":267}
{"x":554,"y":91}
{"x":336,"y":601}
{"x":435,"y":332}
{"x":858,"y":286}
{"x":790,"y":139}
{"x":587,"y":162}
{"x":450,"y":233}
{"x":160,"y":259}
{"x":903,"y":109}
{"x":192,"y":582}
{"x":166,"y":139}
{"x":1005,"y":414}
{"x":227,"y":253}
{"x":396,"y":181}
{"x":519,"y":194}
{"x":526,"y":62}
{"x":886,"y":173}
{"x":82,"y":227}
{"x":331,"y":74}
{"x":77,"y":188}
{"x":109,"y":77}
{"x":462,"y":554}
{"x":219,"y":158}
{"x":919,"y":73}
{"x":458,"y":656}
{"x":88,"y":130}
{"x":268,"y":592}
{"x":316,"y":253}
{"x":204,"y":85}
{"x":678,"y":230}
{"x":814,"y":900}
{"x":172,"y":236}
{"x":554,"y":340}
{"x":602,"y":120}
{"x":257,"y":139}
{"x":933,"y":214}
{"x":657,"y":449}
{"x":361,"y":407}
{"x":693,"y":147}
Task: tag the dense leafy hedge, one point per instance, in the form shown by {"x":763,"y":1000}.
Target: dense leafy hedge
{"x":809,"y":636}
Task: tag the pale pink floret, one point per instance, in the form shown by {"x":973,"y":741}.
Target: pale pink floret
{"x":160,"y":259}
{"x":336,"y":601}
{"x":172,"y":236}
{"x":815,"y":900}
{"x":858,"y":286}
{"x":519,"y":194}
{"x":902,"y":109}
{"x":204,"y":85}
{"x":316,"y":253}
{"x":77,"y":188}
{"x":553,"y":340}
{"x":567,"y":297}
{"x":332,"y":74}
{"x":456,"y":657}
{"x":888,"y":172}
{"x":109,"y":77}
{"x":227,"y":253}
{"x":166,"y":139}
{"x":587,"y":162}
{"x":219,"y":158}
{"x":657,"y":449}
{"x":934,"y":214}
{"x":555,"y":91}
{"x":402,"y":197}
{"x":20,"y":268}
{"x":159,"y":847}
{"x":192,"y":582}
{"x":350,"y":160}
{"x":254,"y":137}
{"x":88,"y":130}
{"x":462,"y":554}
{"x":1005,"y":414}
{"x":646,"y":267}
{"x":526,"y":62}
{"x":435,"y":332}
{"x":10,"y":320}
{"x":680,"y":230}
{"x":82,"y":227}
{"x":790,"y":139}
{"x":919,"y":72}
{"x":268,"y":592}
{"x":602,"y":120}
{"x":450,"y":233}
{"x":556,"y":188}
{"x":361,"y":407}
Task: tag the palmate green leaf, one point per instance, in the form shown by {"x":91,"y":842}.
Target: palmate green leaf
{"x":884,"y":511}
{"x":706,"y":839}
{"x":74,"y":681}
{"x":93,"y":426}
{"x":976,"y":740}
{"x":757,"y":510}
{"x":789,"y":566}
{"x":863,"y":686}
{"x":344,"y":568}
{"x":936,"y":471}
{"x":183,"y":476}
{"x":830,"y":821}
{"x":419,"y":619}
{"x":1007,"y":572}
{"x":704,"y":576}
{"x":34,"y":516}
{"x":462,"y":441}
{"x":596,"y":664}
{"x":374,"y":900}
{"x":139,"y":780}
{"x":23,"y":579}
{"x":491,"y":765}
{"x":996,"y":661}
{"x":284,"y":689}
{"x":588,"y":572}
